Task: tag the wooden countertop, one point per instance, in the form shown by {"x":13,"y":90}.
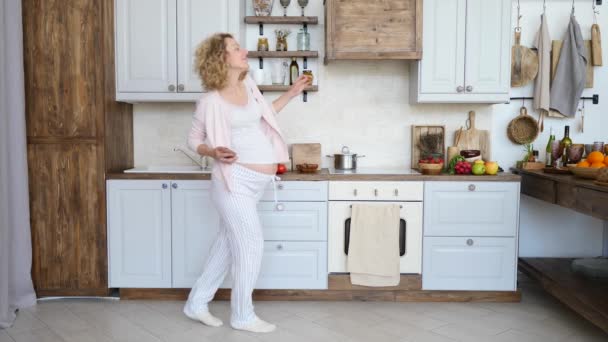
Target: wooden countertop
{"x":567,"y":179}
{"x":324,"y":175}
{"x":568,"y":191}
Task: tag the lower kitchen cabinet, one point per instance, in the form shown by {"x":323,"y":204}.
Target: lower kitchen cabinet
{"x":470,"y":236}
{"x":160,"y":234}
{"x":139,"y":233}
{"x":194,"y":226}
{"x":293,"y":265}
{"x":469,"y":263}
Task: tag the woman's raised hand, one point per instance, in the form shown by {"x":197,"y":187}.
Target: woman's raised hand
{"x":299,"y":85}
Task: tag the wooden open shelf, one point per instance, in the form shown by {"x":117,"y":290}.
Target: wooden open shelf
{"x":271,"y":87}
{"x":587,"y":296}
{"x":283,"y":54}
{"x":281,"y":20}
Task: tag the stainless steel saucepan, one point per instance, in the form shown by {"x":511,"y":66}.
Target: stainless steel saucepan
{"x":345,"y":160}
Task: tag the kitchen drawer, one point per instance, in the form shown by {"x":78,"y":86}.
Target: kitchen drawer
{"x":294,"y":221}
{"x":471,"y":209}
{"x":297,"y":191}
{"x":372,"y":191}
{"x":293,"y":265}
{"x":469,"y":263}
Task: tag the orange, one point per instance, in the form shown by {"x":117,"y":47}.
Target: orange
{"x":598,"y":165}
{"x":583,"y":163}
{"x":595,"y":157}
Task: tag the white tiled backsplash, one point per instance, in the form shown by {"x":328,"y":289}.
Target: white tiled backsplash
{"x":365,"y":104}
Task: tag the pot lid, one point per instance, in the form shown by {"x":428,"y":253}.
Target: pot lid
{"x":346,"y":151}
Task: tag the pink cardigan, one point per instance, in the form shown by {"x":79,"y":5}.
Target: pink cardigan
{"x":211,"y":125}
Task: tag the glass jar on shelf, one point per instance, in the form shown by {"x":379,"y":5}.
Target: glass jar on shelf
{"x":263,"y":44}
{"x":303,"y":40}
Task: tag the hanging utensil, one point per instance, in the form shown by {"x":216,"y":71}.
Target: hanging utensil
{"x":582,"y":110}
{"x":596,"y":40}
{"x":524,"y":62}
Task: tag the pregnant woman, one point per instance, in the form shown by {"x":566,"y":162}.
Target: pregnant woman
{"x":235,"y":125}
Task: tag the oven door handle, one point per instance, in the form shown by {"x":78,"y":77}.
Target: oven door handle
{"x":402,"y":235}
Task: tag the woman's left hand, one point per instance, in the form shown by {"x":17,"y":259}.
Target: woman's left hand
{"x":298,"y":86}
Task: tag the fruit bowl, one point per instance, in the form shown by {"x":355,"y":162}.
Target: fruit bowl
{"x":307,"y":168}
{"x":584,"y":172}
{"x":430,"y":169}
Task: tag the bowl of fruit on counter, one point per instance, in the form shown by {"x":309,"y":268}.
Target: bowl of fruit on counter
{"x":460,"y":166}
{"x":431,"y":165}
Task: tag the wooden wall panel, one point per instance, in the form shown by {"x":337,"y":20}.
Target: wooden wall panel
{"x":68,"y":244}
{"x":76,"y":133}
{"x":64,"y":68}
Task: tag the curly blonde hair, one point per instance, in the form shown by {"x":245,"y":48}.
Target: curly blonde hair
{"x":210,"y":62}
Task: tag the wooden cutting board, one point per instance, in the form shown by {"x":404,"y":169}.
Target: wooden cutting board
{"x":474,"y":139}
{"x":306,"y":154}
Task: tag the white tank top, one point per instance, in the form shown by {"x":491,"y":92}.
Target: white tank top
{"x":249,"y":142}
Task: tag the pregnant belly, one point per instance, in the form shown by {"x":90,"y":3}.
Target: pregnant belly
{"x":269,"y":169}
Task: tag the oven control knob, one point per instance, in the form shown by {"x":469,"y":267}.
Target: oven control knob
{"x":280,"y":247}
{"x":280,"y":207}
{"x":470,"y":242}
{"x":471,"y":187}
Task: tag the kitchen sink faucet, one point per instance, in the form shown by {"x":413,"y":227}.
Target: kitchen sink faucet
{"x":202,"y":162}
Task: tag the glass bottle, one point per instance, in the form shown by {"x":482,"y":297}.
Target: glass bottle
{"x":549,"y":149}
{"x":294,"y":71}
{"x":565,"y":145}
{"x":303,"y":40}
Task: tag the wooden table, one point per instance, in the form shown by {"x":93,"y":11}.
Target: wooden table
{"x":586,"y":296}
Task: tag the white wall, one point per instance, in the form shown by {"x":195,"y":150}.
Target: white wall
{"x":365,"y":105}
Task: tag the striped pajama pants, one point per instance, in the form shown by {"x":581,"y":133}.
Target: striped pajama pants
{"x":239,"y":245}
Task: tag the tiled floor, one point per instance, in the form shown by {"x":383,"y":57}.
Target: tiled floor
{"x":537,"y":318}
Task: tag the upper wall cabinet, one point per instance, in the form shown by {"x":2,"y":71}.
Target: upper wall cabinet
{"x":363,"y":29}
{"x":156,"y":41}
{"x":467,"y":53}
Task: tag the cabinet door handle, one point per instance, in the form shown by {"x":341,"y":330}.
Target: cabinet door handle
{"x":470,"y":242}
{"x":355,"y":192}
{"x":469,"y":89}
{"x":174,"y":185}
{"x":280,"y":187}
{"x":396,"y":192}
{"x":180,"y":87}
{"x":164,"y":185}
{"x":280,"y":207}
{"x":280,"y":247}
{"x":460,"y":89}
{"x":376,"y":192}
{"x":171,"y":87}
{"x":471,"y":187}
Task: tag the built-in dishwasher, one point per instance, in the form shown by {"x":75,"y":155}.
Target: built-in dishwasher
{"x":408,"y":194}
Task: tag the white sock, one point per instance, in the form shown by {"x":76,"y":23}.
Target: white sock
{"x":258,"y":326}
{"x":205,"y":317}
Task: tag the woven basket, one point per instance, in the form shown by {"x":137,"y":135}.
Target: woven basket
{"x":523,"y":129}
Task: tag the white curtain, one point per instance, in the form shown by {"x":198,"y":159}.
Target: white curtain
{"x":16,"y":289}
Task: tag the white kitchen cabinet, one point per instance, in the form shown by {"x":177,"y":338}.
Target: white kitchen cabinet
{"x":293,"y":265}
{"x":139,"y":233}
{"x":294,"y":221}
{"x":156,"y":41}
{"x":471,"y":208}
{"x":467,"y":52}
{"x":470,"y":236}
{"x":195,"y":225}
{"x":469,"y":263}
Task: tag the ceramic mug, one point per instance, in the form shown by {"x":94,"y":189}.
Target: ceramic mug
{"x":598,"y":146}
{"x":259,"y":76}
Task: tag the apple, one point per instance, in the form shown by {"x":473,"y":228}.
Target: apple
{"x":478,"y":169}
{"x":281,"y":168}
{"x":491,"y":168}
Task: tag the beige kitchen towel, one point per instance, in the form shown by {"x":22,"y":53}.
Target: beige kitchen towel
{"x":542,"y":84}
{"x":373,"y":252}
{"x":571,"y":72}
